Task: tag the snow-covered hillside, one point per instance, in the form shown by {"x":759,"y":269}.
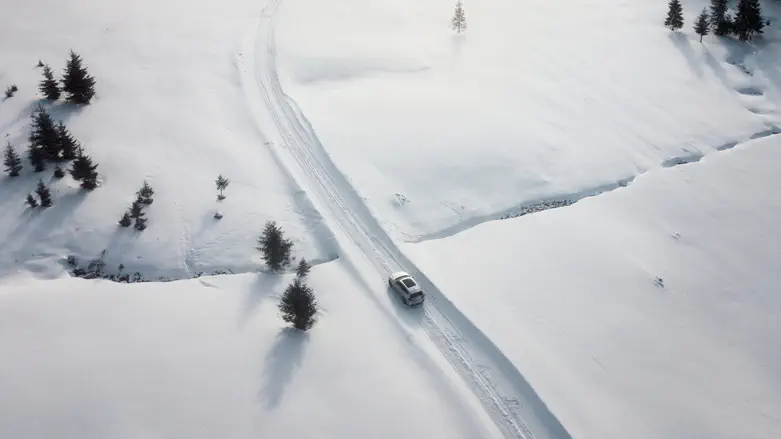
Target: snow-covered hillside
{"x":372,"y":134}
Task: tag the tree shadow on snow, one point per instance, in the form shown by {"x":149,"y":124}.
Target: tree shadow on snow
{"x":683,"y":44}
{"x":265,"y":285}
{"x":281,"y":364}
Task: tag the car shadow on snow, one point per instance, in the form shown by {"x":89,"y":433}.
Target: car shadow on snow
{"x":281,"y":364}
{"x":410,"y":315}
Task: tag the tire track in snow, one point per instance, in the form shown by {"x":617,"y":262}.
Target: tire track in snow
{"x":506,"y":396}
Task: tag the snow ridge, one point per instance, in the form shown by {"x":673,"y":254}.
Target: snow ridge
{"x":507,"y":397}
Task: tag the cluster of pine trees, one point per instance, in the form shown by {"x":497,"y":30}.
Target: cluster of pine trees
{"x":136,"y":211}
{"x":77,"y":84}
{"x":745,"y":23}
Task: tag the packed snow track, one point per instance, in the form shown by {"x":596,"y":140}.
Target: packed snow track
{"x":507,"y":397}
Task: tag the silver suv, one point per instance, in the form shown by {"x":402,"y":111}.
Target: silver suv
{"x":408,"y":289}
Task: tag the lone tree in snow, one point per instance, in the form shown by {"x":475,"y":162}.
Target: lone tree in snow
{"x":10,"y":90}
{"x":37,"y":158}
{"x":748,"y":19}
{"x":720,"y":21}
{"x":674,"y":18}
{"x":298,"y":305}
{"x":84,"y":171}
{"x":222,"y":183}
{"x":274,"y":246}
{"x":44,"y":194}
{"x":701,"y":26}
{"x":12,"y":161}
{"x":31,"y":201}
{"x":125,"y":221}
{"x":67,"y":145}
{"x":48,"y":86}
{"x":459,"y":19}
{"x":78,"y":85}
{"x":145,"y":193}
{"x":303,"y":268}
{"x":43,"y":133}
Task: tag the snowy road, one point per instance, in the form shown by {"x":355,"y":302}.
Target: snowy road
{"x":507,"y":397}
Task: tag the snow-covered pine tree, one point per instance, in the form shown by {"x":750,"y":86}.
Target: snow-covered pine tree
{"x":274,"y":246}
{"x":67,"y":145}
{"x":701,"y":26}
{"x":136,"y":209}
{"x":59,"y":172}
{"x":125,"y":221}
{"x":44,"y":194}
{"x":145,"y":193}
{"x":222,"y":183}
{"x":140,"y":223}
{"x":48,"y":86}
{"x":298,"y":305}
{"x":719,"y":21}
{"x":31,"y":201}
{"x":84,"y":171}
{"x":459,"y":18}
{"x":303,"y":268}
{"x":12,"y":161}
{"x":78,"y":85}
{"x":748,"y":19}
{"x":43,"y":133}
{"x":37,"y":158}
{"x":674,"y":18}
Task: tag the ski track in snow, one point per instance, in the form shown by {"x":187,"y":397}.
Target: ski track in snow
{"x":572,"y":198}
{"x":506,"y":396}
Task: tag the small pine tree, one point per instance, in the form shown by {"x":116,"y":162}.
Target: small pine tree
{"x":136,"y":209}
{"x":145,"y":193}
{"x":44,"y":194}
{"x":37,"y":158}
{"x":274,"y":246}
{"x":303,"y":268}
{"x":43,"y":133}
{"x":701,"y":25}
{"x":76,"y":82}
{"x":59,"y":172}
{"x":125,"y":221}
{"x":40,"y":64}
{"x":140,"y":224}
{"x":674,"y":18}
{"x":84,"y":171}
{"x":12,"y":161}
{"x":48,"y":86}
{"x":748,"y":20}
{"x":67,"y":145}
{"x":459,"y":18}
{"x":31,"y":201}
{"x":10,"y":90}
{"x":298,"y":305}
{"x":222,"y":183}
{"x":718,"y":17}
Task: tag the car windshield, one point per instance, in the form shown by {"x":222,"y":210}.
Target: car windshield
{"x":408,"y":282}
{"x":415,"y":296}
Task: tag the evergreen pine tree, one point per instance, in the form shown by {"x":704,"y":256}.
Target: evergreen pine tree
{"x":298,"y":305}
{"x":274,"y":246}
{"x":125,"y":221}
{"x":10,"y":90}
{"x":145,"y":193}
{"x":76,"y":82}
{"x":303,"y":268}
{"x":719,"y":20}
{"x":84,"y":171}
{"x":31,"y":201}
{"x":701,"y":25}
{"x":459,"y":18}
{"x":67,"y":145}
{"x":48,"y":85}
{"x":222,"y":183}
{"x":674,"y":18}
{"x":43,"y":133}
{"x":748,"y":19}
{"x":37,"y":158}
{"x":136,"y":209}
{"x":140,"y":223}
{"x":59,"y":172}
{"x":12,"y":161}
{"x":44,"y":194}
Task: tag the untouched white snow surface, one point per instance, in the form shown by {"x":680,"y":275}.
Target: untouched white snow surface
{"x":209,"y":358}
{"x":538,"y":99}
{"x":649,"y":312}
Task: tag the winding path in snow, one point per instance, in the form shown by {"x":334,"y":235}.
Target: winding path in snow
{"x":506,"y":396}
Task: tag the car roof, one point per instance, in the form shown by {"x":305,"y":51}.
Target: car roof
{"x":398,"y":274}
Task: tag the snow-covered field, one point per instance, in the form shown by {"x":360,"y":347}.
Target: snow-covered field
{"x":373,"y":134}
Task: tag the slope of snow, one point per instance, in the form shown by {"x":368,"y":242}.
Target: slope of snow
{"x":537,"y":100}
{"x":209,"y":358}
{"x":652,"y":311}
{"x":169,"y":109}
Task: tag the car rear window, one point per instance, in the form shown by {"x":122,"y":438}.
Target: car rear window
{"x":415,"y":295}
{"x":409,"y":283}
